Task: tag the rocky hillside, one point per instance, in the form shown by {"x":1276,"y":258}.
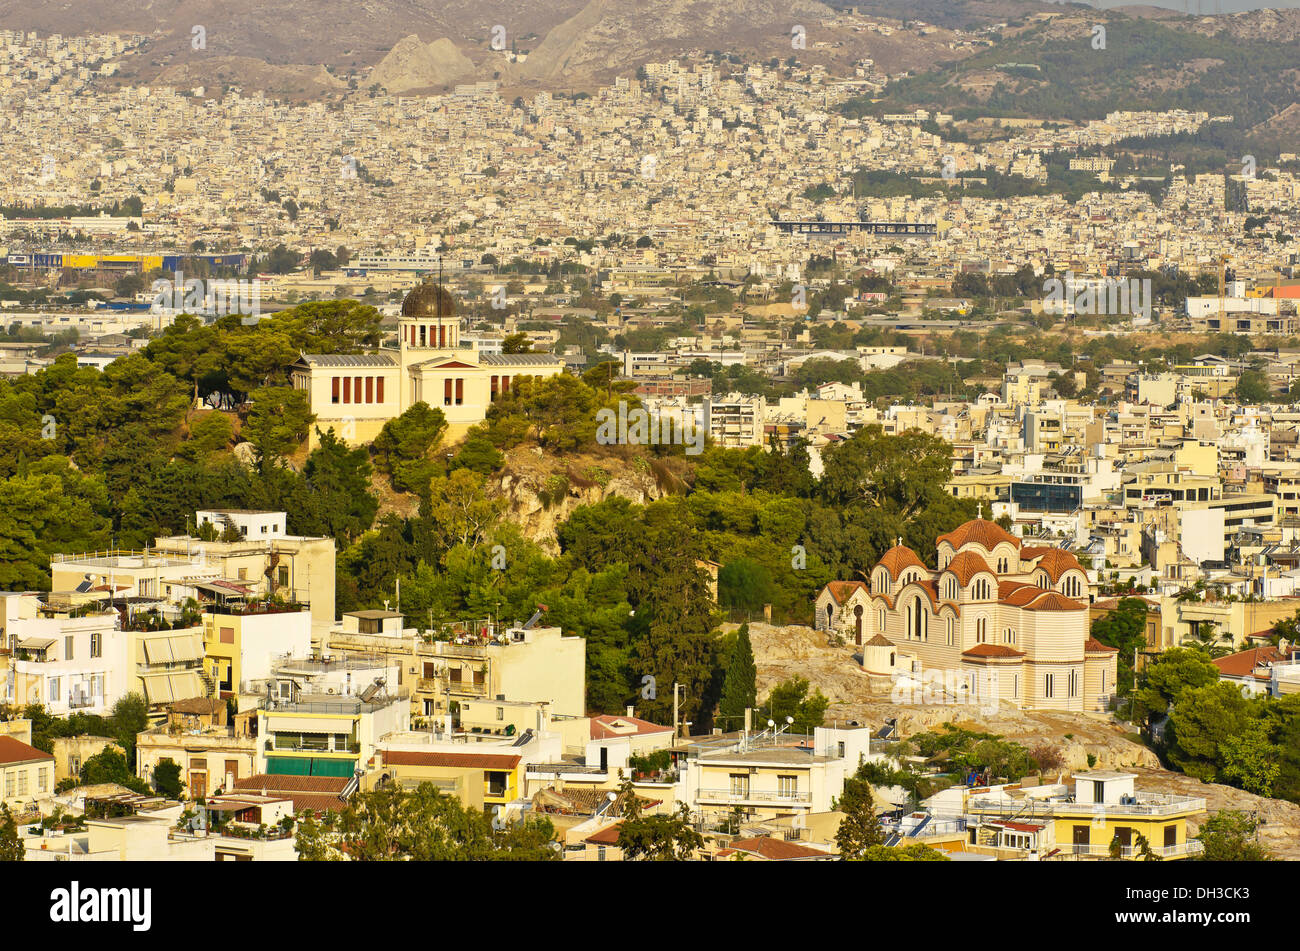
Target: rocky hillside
{"x":570,"y":43}
{"x":541,"y":490}
{"x":414,"y":65}
{"x":784,"y":652}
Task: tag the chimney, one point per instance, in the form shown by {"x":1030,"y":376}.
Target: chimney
{"x":631,"y":710}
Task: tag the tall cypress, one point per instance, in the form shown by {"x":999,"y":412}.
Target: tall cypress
{"x":739,"y":687}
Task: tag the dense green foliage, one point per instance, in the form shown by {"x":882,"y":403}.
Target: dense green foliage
{"x":1231,"y":836}
{"x":1215,"y":732}
{"x":1124,"y":629}
{"x":860,"y":829}
{"x":421,"y":825}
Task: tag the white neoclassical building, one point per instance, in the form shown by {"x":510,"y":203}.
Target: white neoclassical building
{"x":357,"y":393}
{"x":993,"y":614}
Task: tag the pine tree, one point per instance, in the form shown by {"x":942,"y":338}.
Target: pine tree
{"x":859,"y":829}
{"x":739,"y":687}
{"x":11,"y":847}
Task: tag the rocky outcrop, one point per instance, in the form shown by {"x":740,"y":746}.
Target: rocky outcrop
{"x":606,"y":35}
{"x":542,"y":491}
{"x":784,"y":652}
{"x":412,"y":64}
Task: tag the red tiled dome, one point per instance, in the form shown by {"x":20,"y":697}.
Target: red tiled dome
{"x":1054,"y":561}
{"x":979,"y":531}
{"x":899,"y":558}
{"x":966,"y":565}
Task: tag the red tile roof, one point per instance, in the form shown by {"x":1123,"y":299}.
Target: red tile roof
{"x":775,"y":850}
{"x":980,"y":532}
{"x":992,"y":650}
{"x":1243,"y":663}
{"x":930,"y":589}
{"x":457,"y":760}
{"x":291,"y":784}
{"x":1055,"y":601}
{"x":841,"y":591}
{"x":966,"y":565}
{"x":14,"y":751}
{"x":1055,"y":561}
{"x":317,"y":793}
{"x":606,"y":836}
{"x":898,"y":558}
{"x":1017,"y":593}
{"x":602,"y":727}
{"x":1094,"y":646}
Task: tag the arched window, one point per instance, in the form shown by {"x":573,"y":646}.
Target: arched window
{"x":881,"y":618}
{"x":952,"y":632}
{"x":1009,"y":636}
{"x":950,"y":588}
{"x":981,"y":590}
{"x":916,"y":627}
{"x":981,"y":631}
{"x":1002,"y":566}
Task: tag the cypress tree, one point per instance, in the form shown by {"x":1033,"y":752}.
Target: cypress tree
{"x":739,"y":687}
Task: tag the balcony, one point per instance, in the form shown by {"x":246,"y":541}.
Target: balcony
{"x":444,"y":684}
{"x":1181,"y":850}
{"x":451,"y":649}
{"x":248,"y":608}
{"x":1148,"y":804}
{"x":797,"y":797}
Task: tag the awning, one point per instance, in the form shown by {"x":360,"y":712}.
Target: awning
{"x":165,"y":687}
{"x":173,"y":648}
{"x":226,"y":588}
{"x":36,"y":643}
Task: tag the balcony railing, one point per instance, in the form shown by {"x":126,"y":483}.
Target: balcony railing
{"x":1151,"y":804}
{"x":452,"y":649}
{"x":444,"y":683}
{"x":754,"y":795}
{"x":1190,"y":847}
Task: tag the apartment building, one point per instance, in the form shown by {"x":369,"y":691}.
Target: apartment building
{"x":212,"y":749}
{"x":26,"y":773}
{"x":770,"y":775}
{"x":241,"y":640}
{"x":69,"y":664}
{"x":323,"y":716}
{"x":261,"y":561}
{"x":1100,"y":813}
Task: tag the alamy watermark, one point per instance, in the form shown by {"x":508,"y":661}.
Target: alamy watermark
{"x":1108,"y":296}
{"x":946,"y":687}
{"x":636,"y":426}
{"x":212,"y":298}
